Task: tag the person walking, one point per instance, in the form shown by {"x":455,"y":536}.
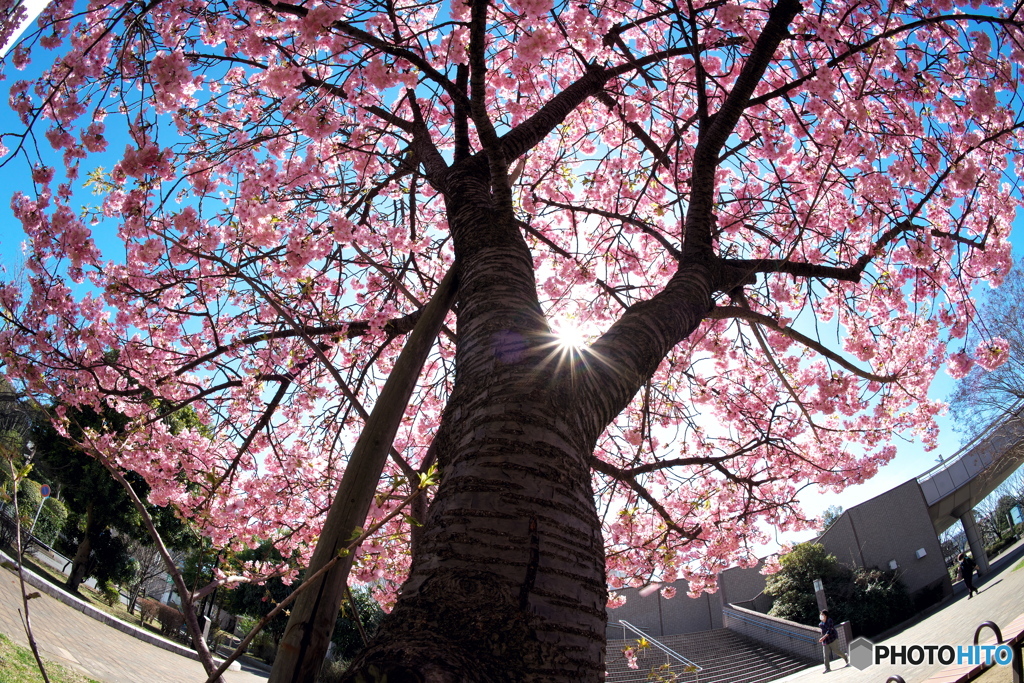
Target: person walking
{"x":829,"y":641}
{"x":966,"y":572}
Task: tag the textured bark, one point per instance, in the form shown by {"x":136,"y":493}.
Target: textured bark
{"x":507,"y":581}
{"x":508,"y":584}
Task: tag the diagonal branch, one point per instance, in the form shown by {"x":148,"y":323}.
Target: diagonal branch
{"x":729,"y":312}
{"x":707,"y":155}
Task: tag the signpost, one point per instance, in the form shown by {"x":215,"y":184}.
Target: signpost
{"x":819,"y":593}
{"x":44,"y":492}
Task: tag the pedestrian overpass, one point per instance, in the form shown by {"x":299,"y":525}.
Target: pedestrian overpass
{"x":955,"y":486}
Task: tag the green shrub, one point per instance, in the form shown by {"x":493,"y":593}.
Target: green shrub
{"x":872,"y":600}
{"x":245,"y":624}
{"x":52,"y":519}
{"x":332,"y":671}
{"x":264,"y":647}
{"x":999,"y":546}
{"x":110,"y":594}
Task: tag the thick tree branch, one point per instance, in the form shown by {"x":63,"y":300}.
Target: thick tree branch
{"x":809,"y":270}
{"x":626,"y":356}
{"x":697,"y":235}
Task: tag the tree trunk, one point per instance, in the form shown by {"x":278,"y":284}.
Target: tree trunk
{"x":507,"y":579}
{"x":508,"y":583}
{"x":80,"y":563}
{"x":134,"y":597}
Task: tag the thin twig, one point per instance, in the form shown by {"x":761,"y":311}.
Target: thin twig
{"x":25,"y":618}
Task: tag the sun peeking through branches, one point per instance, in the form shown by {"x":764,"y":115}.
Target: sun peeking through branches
{"x":568,"y":348}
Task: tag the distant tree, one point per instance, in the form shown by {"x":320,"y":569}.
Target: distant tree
{"x":831,"y":515}
{"x":983,"y":395}
{"x":15,"y":419}
{"x":96,"y":502}
{"x":148,"y":565}
{"x":1001,"y":515}
{"x":256,"y":600}
{"x":952,"y":541}
{"x":793,"y":585}
{"x":348,"y":632}
{"x":1014,"y":486}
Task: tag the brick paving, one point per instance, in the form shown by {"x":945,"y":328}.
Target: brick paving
{"x":68,"y":637}
{"x":1001,"y":600}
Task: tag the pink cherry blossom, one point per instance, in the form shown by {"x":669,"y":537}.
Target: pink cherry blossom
{"x":992,"y":353}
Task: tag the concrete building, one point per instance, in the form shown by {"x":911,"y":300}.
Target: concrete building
{"x":893,"y":531}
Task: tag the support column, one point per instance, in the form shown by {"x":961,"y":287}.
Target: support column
{"x":974,"y":541}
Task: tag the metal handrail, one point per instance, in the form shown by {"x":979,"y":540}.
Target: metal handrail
{"x":650,"y":639}
{"x":768,"y":627}
{"x":1014,"y":411}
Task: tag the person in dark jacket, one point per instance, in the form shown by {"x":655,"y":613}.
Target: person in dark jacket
{"x":830,"y":641}
{"x":966,"y":572}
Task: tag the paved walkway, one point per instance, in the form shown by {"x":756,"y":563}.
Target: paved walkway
{"x":1001,"y":600}
{"x":68,"y":637}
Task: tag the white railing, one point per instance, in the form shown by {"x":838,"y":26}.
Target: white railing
{"x":1013,"y":411}
{"x":692,"y":667}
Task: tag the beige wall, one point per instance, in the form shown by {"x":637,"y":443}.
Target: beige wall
{"x":658,"y":616}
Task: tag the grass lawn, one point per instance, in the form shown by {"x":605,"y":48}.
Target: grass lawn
{"x":1019,"y":565}
{"x":17,"y":665}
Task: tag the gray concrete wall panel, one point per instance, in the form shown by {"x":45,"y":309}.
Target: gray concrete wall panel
{"x":892,"y":526}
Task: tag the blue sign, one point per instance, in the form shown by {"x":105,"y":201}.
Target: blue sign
{"x":44,"y":490}
{"x":1015,"y":515}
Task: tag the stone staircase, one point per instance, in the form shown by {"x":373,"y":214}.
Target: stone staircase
{"x":724,"y":657}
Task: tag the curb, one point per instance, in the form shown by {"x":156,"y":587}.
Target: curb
{"x":85,"y":608}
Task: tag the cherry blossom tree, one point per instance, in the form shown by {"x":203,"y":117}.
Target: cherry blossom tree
{"x":697,"y":256}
